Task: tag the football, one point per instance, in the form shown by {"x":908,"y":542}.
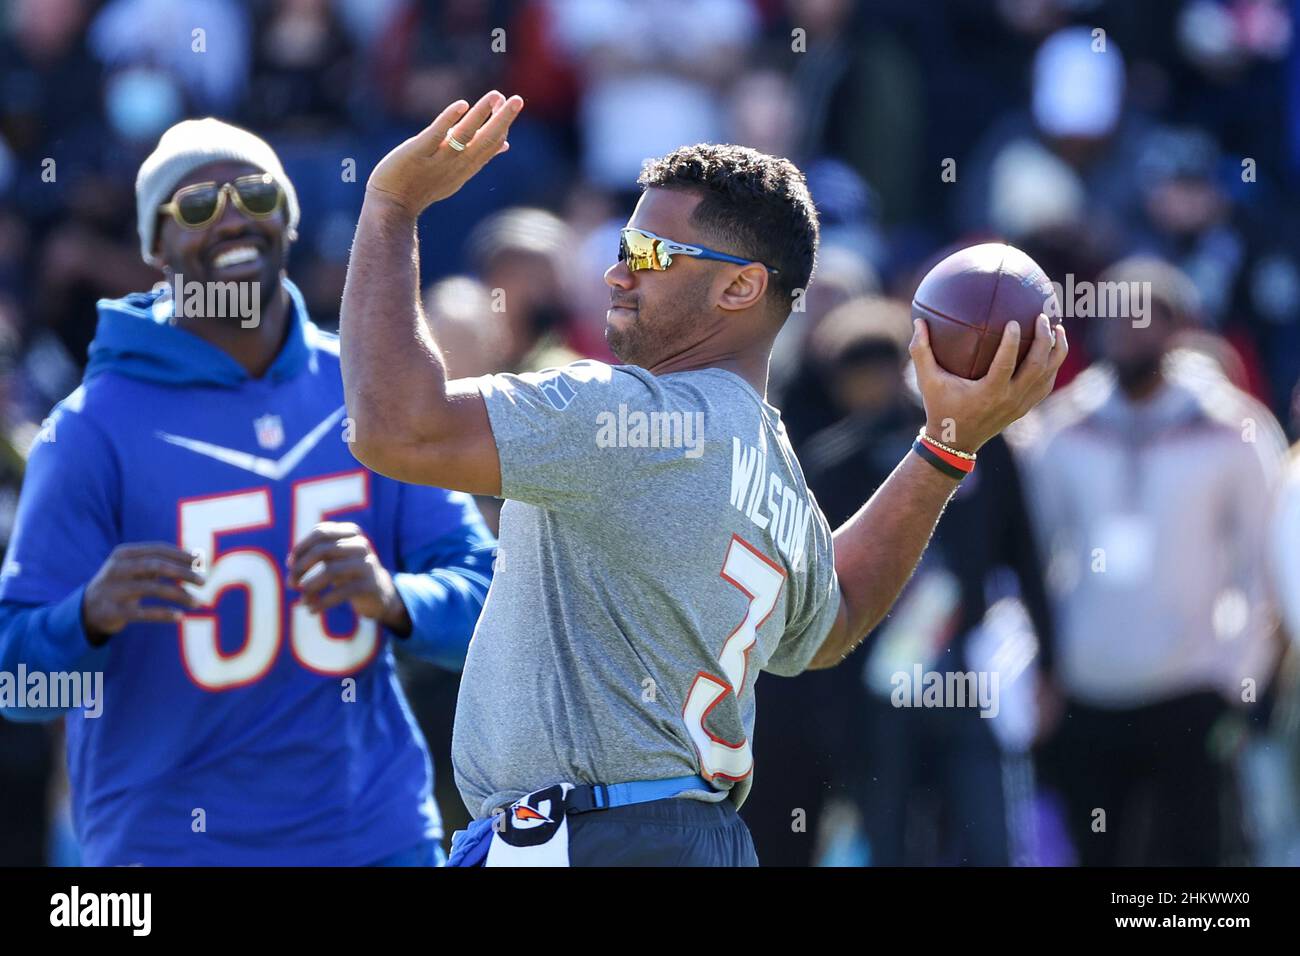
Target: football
{"x":969,"y":297}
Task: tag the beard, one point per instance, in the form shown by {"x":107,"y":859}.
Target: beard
{"x":655,"y":333}
{"x":627,"y":342}
{"x":1133,"y":373}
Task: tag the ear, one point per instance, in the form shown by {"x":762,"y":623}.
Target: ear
{"x":746,"y":290}
{"x":159,"y":258}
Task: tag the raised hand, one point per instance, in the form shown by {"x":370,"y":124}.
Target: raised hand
{"x":427,"y":167}
{"x":966,"y":413}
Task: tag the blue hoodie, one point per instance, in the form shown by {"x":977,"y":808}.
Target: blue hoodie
{"x":254,"y":732}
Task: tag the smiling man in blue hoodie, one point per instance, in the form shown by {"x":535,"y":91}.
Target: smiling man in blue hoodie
{"x":194,"y":527}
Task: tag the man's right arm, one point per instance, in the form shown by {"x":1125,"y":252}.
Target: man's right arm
{"x":410,"y":422}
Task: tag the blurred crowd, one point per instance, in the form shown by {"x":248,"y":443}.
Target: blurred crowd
{"x":1152,"y":141}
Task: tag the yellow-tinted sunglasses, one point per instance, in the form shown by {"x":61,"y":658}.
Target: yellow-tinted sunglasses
{"x":257,"y":196}
{"x":643,"y":250}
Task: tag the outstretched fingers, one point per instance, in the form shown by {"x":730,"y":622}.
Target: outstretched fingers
{"x":431,"y":137}
{"x":468,"y":126}
{"x":490,"y":139}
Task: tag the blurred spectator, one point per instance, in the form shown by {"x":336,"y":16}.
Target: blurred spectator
{"x":1187,"y":215}
{"x":1032,"y":190}
{"x":522,"y":257}
{"x":849,"y":211}
{"x":82,"y":260}
{"x":46,"y":75}
{"x":651,"y":76}
{"x":861,"y":96}
{"x":1152,"y":476}
{"x":47,"y":113}
{"x":303,"y":70}
{"x":798,"y":380}
{"x":932,"y":785}
{"x":472,"y":339}
{"x":540,"y":70}
{"x":365,"y":20}
{"x":429,"y":55}
{"x":1076,"y":142}
{"x":764,"y":113}
{"x":1274,"y":763}
{"x":813,"y":727}
{"x":165,"y":56}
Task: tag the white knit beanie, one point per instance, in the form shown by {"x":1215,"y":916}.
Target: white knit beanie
{"x":184,"y":148}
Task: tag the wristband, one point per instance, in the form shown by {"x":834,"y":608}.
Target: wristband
{"x":961,"y":460}
{"x":940,"y":446}
{"x":940,"y":462}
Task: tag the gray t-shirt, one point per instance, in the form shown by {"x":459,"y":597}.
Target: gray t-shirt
{"x":658,"y":549}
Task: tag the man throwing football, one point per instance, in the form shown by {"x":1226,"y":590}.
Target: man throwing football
{"x":643,"y":582}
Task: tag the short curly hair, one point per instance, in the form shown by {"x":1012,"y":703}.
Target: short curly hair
{"x":752,"y":205}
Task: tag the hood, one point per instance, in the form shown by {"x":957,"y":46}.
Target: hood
{"x":1178,"y":401}
{"x":136,"y":338}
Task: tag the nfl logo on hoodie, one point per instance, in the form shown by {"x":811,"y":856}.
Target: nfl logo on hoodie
{"x":270,"y":432}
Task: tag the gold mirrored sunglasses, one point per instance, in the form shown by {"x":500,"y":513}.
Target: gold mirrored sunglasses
{"x":643,"y":250}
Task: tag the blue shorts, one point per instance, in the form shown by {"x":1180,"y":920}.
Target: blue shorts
{"x":672,"y":832}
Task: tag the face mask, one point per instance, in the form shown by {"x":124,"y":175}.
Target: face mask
{"x":141,"y":103}
{"x":545,"y":317}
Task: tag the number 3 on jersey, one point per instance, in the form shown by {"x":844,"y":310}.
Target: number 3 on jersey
{"x":761,"y":581}
{"x":257,"y":574}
